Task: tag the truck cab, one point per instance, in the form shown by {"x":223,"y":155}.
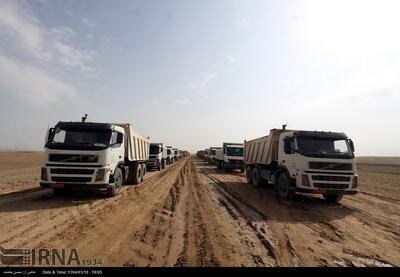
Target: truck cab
{"x":177,"y":155}
{"x":319,"y":162}
{"x":303,"y":161}
{"x":157,"y":156}
{"x":230,"y":156}
{"x":92,"y":156}
{"x":170,"y":155}
{"x":206,"y":153}
{"x":212,"y":154}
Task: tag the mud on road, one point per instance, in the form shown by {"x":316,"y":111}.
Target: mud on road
{"x":191,"y":214}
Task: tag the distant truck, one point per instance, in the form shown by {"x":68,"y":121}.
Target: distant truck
{"x":230,"y":156}
{"x":170,"y":155}
{"x":303,"y":161}
{"x":211,"y":154}
{"x":206,"y":153}
{"x":158,"y":156}
{"x":87,"y":156}
{"x":177,"y":153}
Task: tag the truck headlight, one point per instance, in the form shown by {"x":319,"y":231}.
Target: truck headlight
{"x":43,"y":175}
{"x":305,"y":180}
{"x":100,"y":174}
{"x":355,"y":182}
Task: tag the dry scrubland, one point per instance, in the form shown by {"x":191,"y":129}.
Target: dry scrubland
{"x":194,"y":215}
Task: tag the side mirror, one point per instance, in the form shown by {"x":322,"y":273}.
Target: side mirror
{"x":51,"y":134}
{"x":120,"y":138}
{"x":351,"y":145}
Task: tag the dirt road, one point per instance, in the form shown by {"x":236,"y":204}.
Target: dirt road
{"x":190,"y":214}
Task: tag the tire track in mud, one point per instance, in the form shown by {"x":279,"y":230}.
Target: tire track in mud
{"x":73,"y":216}
{"x":249,"y":221}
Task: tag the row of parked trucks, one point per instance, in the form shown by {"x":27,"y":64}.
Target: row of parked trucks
{"x":100,"y":156}
{"x":293,"y":161}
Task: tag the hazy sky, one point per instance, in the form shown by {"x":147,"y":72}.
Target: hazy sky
{"x":196,"y":73}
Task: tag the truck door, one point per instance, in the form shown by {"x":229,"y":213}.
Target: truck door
{"x":116,"y":149}
{"x":288,"y":155}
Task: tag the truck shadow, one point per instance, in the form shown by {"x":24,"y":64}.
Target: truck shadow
{"x":44,"y":199}
{"x":265,"y":201}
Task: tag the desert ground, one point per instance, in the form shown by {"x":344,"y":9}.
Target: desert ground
{"x":191,"y":214}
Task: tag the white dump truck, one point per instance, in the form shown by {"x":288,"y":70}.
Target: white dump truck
{"x":206,"y":152}
{"x":158,"y":156}
{"x":170,"y":155}
{"x":87,"y":156}
{"x":230,"y":156}
{"x":177,"y":154}
{"x":211,"y":154}
{"x":303,"y":161}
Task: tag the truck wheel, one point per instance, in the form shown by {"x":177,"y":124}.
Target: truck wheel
{"x":163,"y":164}
{"x":248,"y":175}
{"x":118,"y":179}
{"x":143,"y":172}
{"x":284,"y":190}
{"x":135,"y":174}
{"x":256,"y":177}
{"x":333,"y":198}
{"x":224,"y":166}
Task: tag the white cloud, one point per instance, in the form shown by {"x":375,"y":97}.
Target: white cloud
{"x":183,"y":102}
{"x":32,"y":84}
{"x":89,"y":23}
{"x":204,"y":80}
{"x":27,"y":34}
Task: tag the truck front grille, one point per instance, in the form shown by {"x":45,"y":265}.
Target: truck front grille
{"x":78,"y":171}
{"x":330,"y":178}
{"x":63,"y":179}
{"x":331,"y":166}
{"x":331,"y":186}
{"x":73,"y":158}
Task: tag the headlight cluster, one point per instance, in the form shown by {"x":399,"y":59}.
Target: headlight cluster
{"x":355,"y":182}
{"x":305,"y":180}
{"x":43,"y":175}
{"x":100,"y":174}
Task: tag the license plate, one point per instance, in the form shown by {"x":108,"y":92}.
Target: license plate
{"x":57,"y":185}
{"x":320,"y":191}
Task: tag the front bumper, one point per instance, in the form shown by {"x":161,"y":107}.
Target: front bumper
{"x":319,"y":182}
{"x":327,"y":191}
{"x":76,"y":186}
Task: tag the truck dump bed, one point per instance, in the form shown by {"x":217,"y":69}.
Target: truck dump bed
{"x":263,"y":150}
{"x":137,"y":147}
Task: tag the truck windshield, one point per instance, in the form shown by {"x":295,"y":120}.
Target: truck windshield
{"x":154,"y":149}
{"x":169,"y":151}
{"x":79,"y":139}
{"x":324,"y":147}
{"x":213,"y":152}
{"x":234,"y":151}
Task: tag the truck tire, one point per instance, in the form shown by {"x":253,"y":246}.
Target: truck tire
{"x":333,"y":198}
{"x":248,"y":174}
{"x":162,"y":164}
{"x":118,"y":180}
{"x":143,"y":172}
{"x":284,"y":190}
{"x":256,"y":177}
{"x":224,"y":166}
{"x":135,"y":173}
